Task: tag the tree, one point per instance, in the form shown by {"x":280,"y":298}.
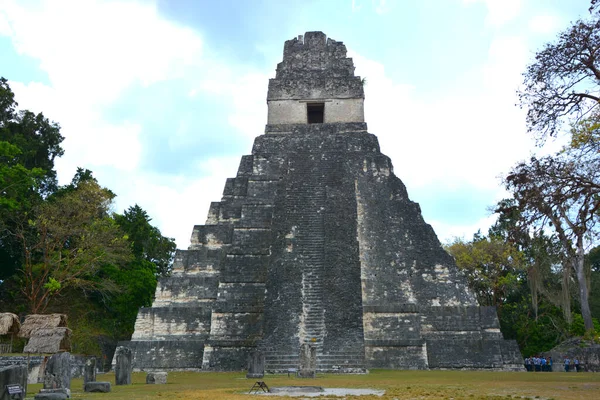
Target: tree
{"x":73,"y":237}
{"x":562,"y":84}
{"x":146,"y":240}
{"x":492,"y":265}
{"x":559,"y":194}
{"x":30,"y":144}
{"x":15,"y":178}
{"x":7,"y":103}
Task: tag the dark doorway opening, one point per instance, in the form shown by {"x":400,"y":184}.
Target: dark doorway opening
{"x":315,"y":112}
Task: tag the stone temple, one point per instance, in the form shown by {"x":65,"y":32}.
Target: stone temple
{"x":315,"y":241}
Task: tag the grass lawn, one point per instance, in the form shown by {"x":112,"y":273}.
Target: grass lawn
{"x":397,"y":384}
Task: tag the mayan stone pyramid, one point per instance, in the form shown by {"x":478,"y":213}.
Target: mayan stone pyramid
{"x":316,"y":242}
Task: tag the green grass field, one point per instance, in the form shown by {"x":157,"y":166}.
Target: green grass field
{"x":397,"y":384}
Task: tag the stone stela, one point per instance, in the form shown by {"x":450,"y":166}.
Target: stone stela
{"x":315,"y":257}
{"x":57,"y":378}
{"x":123,"y":366}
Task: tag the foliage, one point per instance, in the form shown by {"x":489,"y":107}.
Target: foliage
{"x":137,"y":282}
{"x":558,"y":195}
{"x":74,"y":237}
{"x":492,"y":266}
{"x":577,"y":327}
{"x":585,"y":136}
{"x":61,"y":248}
{"x":29,"y":144}
{"x":15,"y":178}
{"x":146,"y":240}
{"x":38,"y":138}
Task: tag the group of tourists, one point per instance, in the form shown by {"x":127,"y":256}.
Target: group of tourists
{"x":538,"y":364}
{"x":541,"y":364}
{"x":574,"y":363}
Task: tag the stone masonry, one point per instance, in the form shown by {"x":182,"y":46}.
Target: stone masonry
{"x":316,"y":242}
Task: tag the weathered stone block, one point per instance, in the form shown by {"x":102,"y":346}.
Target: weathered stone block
{"x":97,"y":387}
{"x":158,"y":378}
{"x":53,"y":394}
{"x":166,"y":354}
{"x":50,"y":396}
{"x":256,"y":365}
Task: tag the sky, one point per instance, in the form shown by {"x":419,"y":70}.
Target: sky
{"x":161,"y":98}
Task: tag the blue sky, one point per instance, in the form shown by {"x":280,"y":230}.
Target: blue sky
{"x":160,"y":99}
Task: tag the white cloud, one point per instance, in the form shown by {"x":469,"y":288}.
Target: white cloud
{"x":449,"y":141}
{"x":499,"y":11}
{"x":101,"y":48}
{"x":95,"y":51}
{"x":92,"y":52}
{"x":454,"y":139}
{"x":176,"y":204}
{"x":381,"y":6}
{"x":250,"y":106}
{"x":544,"y":24}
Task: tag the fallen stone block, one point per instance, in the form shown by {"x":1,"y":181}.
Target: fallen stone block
{"x":158,"y":378}
{"x":53,"y":394}
{"x":98,"y":387}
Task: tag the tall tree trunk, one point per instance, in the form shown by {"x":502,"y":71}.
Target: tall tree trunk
{"x":578,"y":264}
{"x":565,"y":293}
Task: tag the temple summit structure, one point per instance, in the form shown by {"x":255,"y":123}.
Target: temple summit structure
{"x":316,"y":243}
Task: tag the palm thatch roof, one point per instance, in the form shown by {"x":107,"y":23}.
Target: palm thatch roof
{"x":9,"y":323}
{"x":49,"y":340}
{"x":35,"y":322}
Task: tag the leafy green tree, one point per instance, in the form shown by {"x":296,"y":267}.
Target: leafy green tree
{"x":146,"y":240}
{"x":560,"y":195}
{"x":592,"y":261}
{"x":30,"y":144}
{"x":38,"y":138}
{"x":137,"y":283}
{"x":492,"y":265}
{"x":15,"y":179}
{"x":74,"y":237}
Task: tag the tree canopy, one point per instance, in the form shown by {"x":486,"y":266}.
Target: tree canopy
{"x":73,"y":238}
{"x":562,"y":84}
{"x":147,"y":243}
{"x":62,"y":249}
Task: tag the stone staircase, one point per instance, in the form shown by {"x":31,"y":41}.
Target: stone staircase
{"x":311,"y":242}
{"x":306,"y":200}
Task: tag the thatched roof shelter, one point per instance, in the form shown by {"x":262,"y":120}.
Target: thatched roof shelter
{"x":35,"y":322}
{"x":49,"y":340}
{"x":9,"y":324}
